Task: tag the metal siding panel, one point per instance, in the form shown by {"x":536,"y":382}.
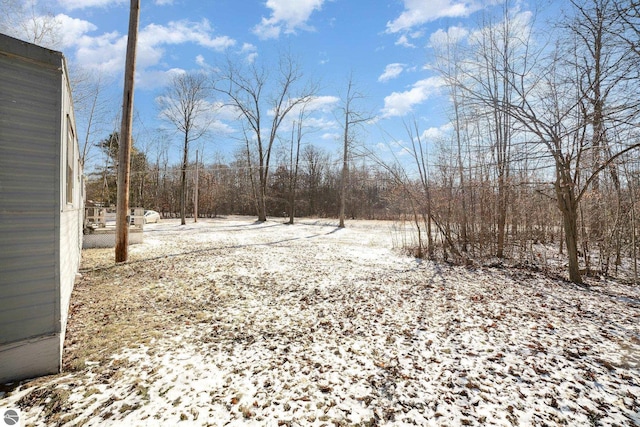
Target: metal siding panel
{"x":36,"y":54}
{"x":30,"y":98}
{"x":30,"y":358}
{"x":29,"y":316}
{"x":18,"y":283}
{"x":29,"y":306}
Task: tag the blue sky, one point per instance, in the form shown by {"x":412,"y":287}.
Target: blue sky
{"x":384,"y":44}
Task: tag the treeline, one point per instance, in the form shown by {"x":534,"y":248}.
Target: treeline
{"x":227,"y":188}
{"x":541,"y":148}
{"x":449,"y":221}
{"x":545,"y":137}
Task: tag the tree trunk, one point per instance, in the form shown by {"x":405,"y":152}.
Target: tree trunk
{"x":195,"y":192}
{"x":261,"y":204}
{"x":345,"y":172}
{"x":252,"y":178}
{"x":183,"y":181}
{"x":633,"y":240}
{"x":568,"y":206}
{"x":430,"y":250}
{"x":292,"y":204}
{"x":293,"y":177}
{"x":571,"y":241}
{"x":458,"y":123}
{"x":262,"y":185}
{"x":502,"y":216}
{"x":262,"y":200}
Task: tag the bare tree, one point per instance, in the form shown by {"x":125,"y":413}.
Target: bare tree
{"x":501,"y":45}
{"x":91,"y":108}
{"x":315,"y":165}
{"x":351,"y":118}
{"x":448,"y":65}
{"x":629,"y":13}
{"x":606,"y":67}
{"x":184,"y":105}
{"x":420,"y":157}
{"x":30,"y":22}
{"x":556,"y":95}
{"x":256,"y":95}
{"x":294,"y":162}
{"x":478,"y":83}
{"x":550,"y":107}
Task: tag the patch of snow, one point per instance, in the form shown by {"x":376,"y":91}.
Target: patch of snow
{"x":308,"y":324}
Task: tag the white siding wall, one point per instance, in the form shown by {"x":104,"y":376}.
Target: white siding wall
{"x":71,"y":214}
{"x":29,"y":187}
{"x":40,"y":234}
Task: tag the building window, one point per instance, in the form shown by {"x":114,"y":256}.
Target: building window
{"x":70,"y":161}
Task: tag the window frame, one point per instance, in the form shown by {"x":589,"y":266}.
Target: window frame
{"x":70,"y":164}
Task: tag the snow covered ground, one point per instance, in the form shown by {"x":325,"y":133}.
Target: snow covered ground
{"x":233,"y":322}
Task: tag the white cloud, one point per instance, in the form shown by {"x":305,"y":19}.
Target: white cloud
{"x":418,"y":12}
{"x":381,"y":146}
{"x":436,"y":133}
{"x":429,"y":136}
{"x":391,"y":71}
{"x":217,"y":115}
{"x":82,"y":4}
{"x":520,"y":26}
{"x":452,"y":36}
{"x":329,"y":136}
{"x":287,"y":16}
{"x":218,"y":127}
{"x":324,"y":103}
{"x":250,"y":51}
{"x":320,"y":123}
{"x":318,"y":114}
{"x":225,"y":111}
{"x":251,"y":58}
{"x":157,"y":78}
{"x":248,"y":47}
{"x":107,"y":51}
{"x":403,"y":40}
{"x":401,"y":103}
{"x":55,"y":32}
{"x":104,"y":52}
{"x":178,"y":32}
{"x":266,"y":30}
{"x":163,"y":2}
{"x":73,"y":29}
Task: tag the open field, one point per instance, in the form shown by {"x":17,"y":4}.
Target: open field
{"x":232,"y":322}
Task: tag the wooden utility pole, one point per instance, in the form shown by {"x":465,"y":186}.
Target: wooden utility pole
{"x":195,"y":193}
{"x":124,"y":148}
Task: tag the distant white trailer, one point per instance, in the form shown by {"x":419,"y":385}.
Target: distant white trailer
{"x":103,"y":234}
{"x":41,"y":208}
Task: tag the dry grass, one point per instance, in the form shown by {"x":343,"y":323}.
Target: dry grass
{"x":126,"y":305}
{"x":113,"y":307}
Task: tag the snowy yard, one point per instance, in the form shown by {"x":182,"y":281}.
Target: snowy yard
{"x":232,"y":322}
